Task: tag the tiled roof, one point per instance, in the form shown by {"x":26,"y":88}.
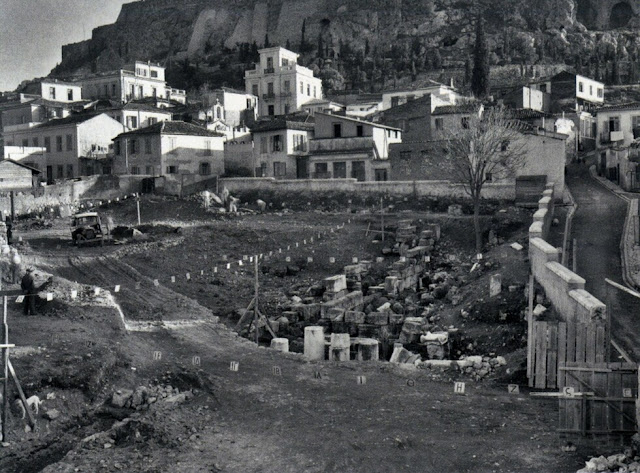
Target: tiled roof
{"x":32,"y":169}
{"x":358,"y":120}
{"x":172,"y":128}
{"x":453,"y":109}
{"x":527,"y":113}
{"x":285,"y":122}
{"x":622,"y":106}
{"x":70,"y":120}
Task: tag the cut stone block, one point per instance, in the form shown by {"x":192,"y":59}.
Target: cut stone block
{"x":339,"y":348}
{"x":354,"y":317}
{"x":280,"y":344}
{"x":336,"y":283}
{"x":314,"y":343}
{"x":368,"y":349}
{"x":377,"y":318}
{"x":495,"y":285}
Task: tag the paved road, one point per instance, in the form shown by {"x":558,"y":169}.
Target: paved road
{"x":597,"y":226}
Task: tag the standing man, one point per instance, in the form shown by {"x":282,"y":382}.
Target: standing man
{"x":9,"y":225}
{"x":29,"y":290}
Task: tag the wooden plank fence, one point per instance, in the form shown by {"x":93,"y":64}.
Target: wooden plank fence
{"x":554,"y":344}
{"x":599,"y":401}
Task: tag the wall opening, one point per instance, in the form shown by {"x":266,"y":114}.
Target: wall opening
{"x":621,"y":13}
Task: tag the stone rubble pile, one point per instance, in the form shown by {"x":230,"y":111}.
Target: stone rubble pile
{"x":614,"y":463}
{"x":143,"y":397}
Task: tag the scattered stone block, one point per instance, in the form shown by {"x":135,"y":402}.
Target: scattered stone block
{"x":377,"y":318}
{"x":339,"y":349}
{"x":455,"y":210}
{"x":52,"y":414}
{"x":539,"y":310}
{"x":336,"y":283}
{"x":368,"y":349}
{"x":314,"y":343}
{"x":280,"y":344}
{"x":517,"y":246}
{"x":121,"y":397}
{"x":495,"y":285}
{"x":354,"y":317}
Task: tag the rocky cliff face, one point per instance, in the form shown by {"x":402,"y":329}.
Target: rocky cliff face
{"x":204,"y":31}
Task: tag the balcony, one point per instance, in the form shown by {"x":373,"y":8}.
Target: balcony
{"x":611,"y":136}
{"x":332,"y":145}
{"x":285,"y":94}
{"x":269,"y":70}
{"x":269,"y":96}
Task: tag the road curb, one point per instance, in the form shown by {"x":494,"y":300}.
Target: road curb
{"x":627,"y":277}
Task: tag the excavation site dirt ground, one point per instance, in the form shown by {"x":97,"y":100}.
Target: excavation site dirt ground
{"x":138,"y":369}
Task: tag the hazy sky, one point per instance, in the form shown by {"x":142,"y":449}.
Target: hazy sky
{"x":32,"y":33}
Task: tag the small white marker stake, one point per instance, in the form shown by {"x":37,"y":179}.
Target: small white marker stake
{"x":513,"y":389}
{"x":49,"y":296}
{"x":234,"y":366}
{"x":362,"y":380}
{"x":156,"y":282}
{"x":458,"y":387}
{"x":288,"y":259}
{"x":96,"y":291}
{"x":117,"y":288}
{"x":173,"y":279}
{"x":157,"y":355}
{"x":240,"y":263}
{"x":74,"y":294}
{"x":195,"y":361}
{"x":188,"y":276}
{"x":276,"y":371}
{"x":332,"y":260}
{"x":215,"y":269}
{"x":228,"y":265}
{"x":354,"y":260}
{"x":19,"y":299}
{"x":309,"y":259}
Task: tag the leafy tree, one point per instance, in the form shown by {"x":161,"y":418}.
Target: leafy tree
{"x":480,"y":73}
{"x":484,"y":147}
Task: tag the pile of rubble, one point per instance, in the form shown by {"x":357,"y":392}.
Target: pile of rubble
{"x":625,"y":462}
{"x":143,"y":396}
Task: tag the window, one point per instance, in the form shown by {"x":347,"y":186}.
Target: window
{"x":47,"y":144}
{"x":270,"y":89}
{"x":543,"y":88}
{"x":394,"y":101}
{"x":254,"y":89}
{"x":135,"y":170}
{"x":299,"y":143}
{"x":132,"y":122}
{"x":600,"y":92}
{"x":276,"y":142}
{"x":464,"y":121}
{"x":309,"y":90}
{"x":69,"y":143}
{"x":635,"y":122}
{"x":149,"y":170}
{"x":504,"y":146}
{"x":172,"y":169}
{"x":340,"y":170}
{"x":590,"y":90}
{"x":285,"y":62}
{"x":132,"y":91}
{"x":580,"y":87}
{"x":614,"y":123}
{"x":263,"y":145}
{"x":152,"y":120}
{"x":207,"y":148}
{"x":287,"y":86}
{"x":337,"y":130}
{"x":147,"y":145}
{"x":117,"y":148}
{"x":286,"y":109}
{"x":279,"y":169}
{"x":59,"y":144}
{"x":154,"y":91}
{"x":25,"y":142}
{"x":35,"y":142}
{"x":301,"y":87}
{"x":269,"y":63}
{"x":106,"y":90}
{"x":406,"y":154}
{"x":113,"y":90}
{"x":70,"y":95}
{"x":69,"y":170}
{"x":321,"y":170}
{"x":381,"y":174}
{"x":60,"y":171}
{"x":132,"y":147}
{"x":205,"y":169}
{"x":271,"y":110}
{"x":488,"y":177}
{"x":140,"y":91}
{"x":314,"y":91}
{"x":52,"y":95}
{"x":359,"y":130}
{"x":249,"y":103}
{"x":154,"y":74}
{"x":439,"y":124}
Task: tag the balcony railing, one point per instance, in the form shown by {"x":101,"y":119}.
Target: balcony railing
{"x":269,"y":70}
{"x":270,"y":96}
{"x":321,"y":175}
{"x":285,"y":94}
{"x":340,"y":144}
{"x":611,"y":136}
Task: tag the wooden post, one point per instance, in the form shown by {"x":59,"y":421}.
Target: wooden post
{"x":13,"y":206}
{"x":138,"y":207}
{"x":5,"y":364}
{"x":255,"y":306}
{"x":382,"y":218}
{"x":530,"y":332}
{"x":574,"y":254}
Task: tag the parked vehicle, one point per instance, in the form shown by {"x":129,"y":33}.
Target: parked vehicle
{"x":86,"y":228}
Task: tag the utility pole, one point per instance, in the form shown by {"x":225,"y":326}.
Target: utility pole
{"x":138,"y":206}
{"x":382,"y":218}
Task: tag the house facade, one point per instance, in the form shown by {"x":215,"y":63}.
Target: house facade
{"x":445,"y":93}
{"x":55,"y":90}
{"x":143,"y":80}
{"x":345,"y":147}
{"x":322,"y":105}
{"x":17,"y":176}
{"x":281,"y":147}
{"x":618,"y":138}
{"x":281,"y":85}
{"x":134,"y":115}
{"x":238,"y":108}
{"x":450,"y":117}
{"x":67,"y":141}
{"x":571,"y":92}
{"x":169,"y":149}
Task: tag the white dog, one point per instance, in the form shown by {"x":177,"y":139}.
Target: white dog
{"x":33,"y":402}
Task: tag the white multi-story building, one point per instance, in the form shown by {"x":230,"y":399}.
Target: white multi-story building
{"x":55,"y":90}
{"x":238,"y":108}
{"x":281,"y":85}
{"x":145,"y":80}
{"x":445,"y":93}
{"x":137,"y":115}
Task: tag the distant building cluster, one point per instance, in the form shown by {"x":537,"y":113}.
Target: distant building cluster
{"x":282,"y":126}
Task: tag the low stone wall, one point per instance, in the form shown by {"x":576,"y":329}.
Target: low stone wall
{"x":563,"y":287}
{"x":69,"y":193}
{"x":401,"y":188}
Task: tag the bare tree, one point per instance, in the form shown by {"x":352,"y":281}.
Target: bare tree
{"x":486,"y":147}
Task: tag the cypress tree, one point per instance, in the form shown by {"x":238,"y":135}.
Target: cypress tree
{"x":266,"y":40}
{"x":480,"y":73}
